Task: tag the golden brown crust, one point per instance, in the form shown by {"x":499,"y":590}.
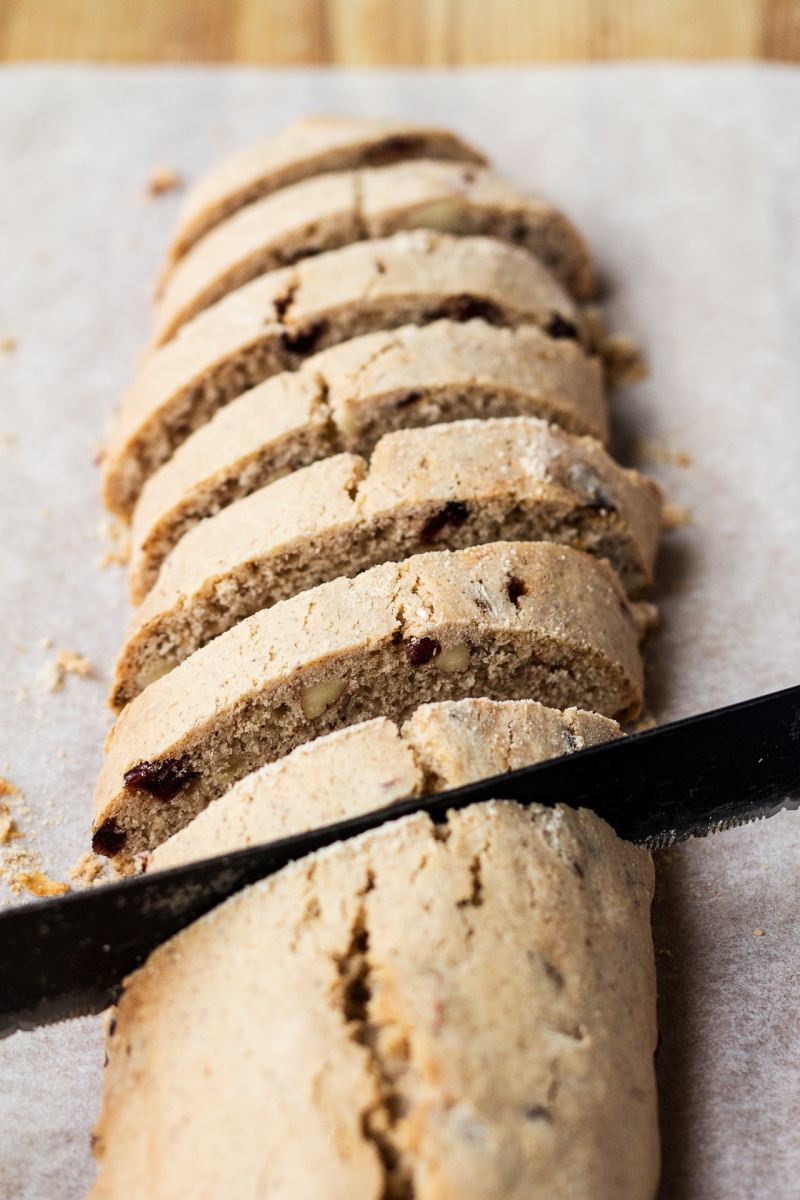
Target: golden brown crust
{"x":298,"y":1032}
{"x":276,"y":321}
{"x":505,"y":621}
{"x":313,"y":146}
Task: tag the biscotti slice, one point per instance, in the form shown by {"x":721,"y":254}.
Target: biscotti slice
{"x":326,"y":212}
{"x":455,"y":1012}
{"x":374,"y":764}
{"x":511,"y":479}
{"x":345,"y":398}
{"x":274,"y":322}
{"x":507,"y":621}
{"x":313,"y":146}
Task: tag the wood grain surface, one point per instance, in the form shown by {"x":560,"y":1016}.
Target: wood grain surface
{"x":396,"y":32}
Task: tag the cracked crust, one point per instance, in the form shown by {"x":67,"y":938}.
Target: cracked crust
{"x":448,"y":486}
{"x":322,"y":214}
{"x":504,"y":621}
{"x":298,"y":1033}
{"x":274,"y":322}
{"x":314,"y":146}
{"x":346,"y":398}
{"x":374,"y":764}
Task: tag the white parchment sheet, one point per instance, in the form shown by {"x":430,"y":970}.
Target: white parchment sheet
{"x":687,"y":182}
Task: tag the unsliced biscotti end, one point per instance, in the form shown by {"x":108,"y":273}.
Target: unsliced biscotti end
{"x":504,"y":621}
{"x":276,"y":321}
{"x":325,"y":212}
{"x":374,"y":764}
{"x":312,"y":146}
{"x":297,"y":1035}
{"x":349,"y":396}
{"x":449,"y":486}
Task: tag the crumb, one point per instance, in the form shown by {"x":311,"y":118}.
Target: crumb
{"x":622,"y":359}
{"x":682,"y":460}
{"x":46,"y":511}
{"x":758,"y":933}
{"x":52,"y":675}
{"x":7,"y":829}
{"x":162,"y":181}
{"x":39,"y":884}
{"x":20,"y":649}
{"x":8,"y":441}
{"x":119,"y":552}
{"x":87,"y":870}
{"x":46,"y":643}
{"x":7,"y":788}
{"x":675,"y":516}
{"x":8,"y":345}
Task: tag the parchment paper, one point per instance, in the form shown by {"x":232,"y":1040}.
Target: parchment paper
{"x":687,"y":182}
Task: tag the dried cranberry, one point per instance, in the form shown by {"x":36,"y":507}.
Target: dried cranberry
{"x":516,"y":588}
{"x":420,"y":651}
{"x":467,"y":308}
{"x":109,"y":839}
{"x":560,"y":327}
{"x":163,"y":780}
{"x":304,"y":340}
{"x":455,"y":512}
{"x":393,"y":148}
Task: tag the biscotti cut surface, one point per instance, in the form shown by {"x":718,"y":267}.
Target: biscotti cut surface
{"x":297,"y":1041}
{"x":326,"y":212}
{"x":314,"y":146}
{"x":274,"y":322}
{"x":449,"y":486}
{"x":345,"y":398}
{"x":505,"y":621}
{"x":371,"y":765}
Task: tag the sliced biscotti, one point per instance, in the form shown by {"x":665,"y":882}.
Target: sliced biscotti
{"x":371,"y":765}
{"x":325,"y":212}
{"x":510,"y":479}
{"x":504,"y":621}
{"x":345,"y":398}
{"x":274,"y":322}
{"x":297,"y":1041}
{"x":313,"y":146}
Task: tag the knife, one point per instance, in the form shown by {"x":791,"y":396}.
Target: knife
{"x":67,"y":957}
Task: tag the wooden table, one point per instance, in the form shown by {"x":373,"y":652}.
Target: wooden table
{"x":396,"y":32}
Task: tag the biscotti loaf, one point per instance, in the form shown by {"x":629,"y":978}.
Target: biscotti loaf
{"x":298,"y":1042}
{"x":505,"y":621}
{"x":345,"y":398}
{"x":274,"y":322}
{"x":512,"y":479}
{"x":374,"y":764}
{"x":314,"y":146}
{"x":326,"y":212}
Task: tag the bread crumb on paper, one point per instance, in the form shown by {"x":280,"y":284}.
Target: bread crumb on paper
{"x":52,"y":675}
{"x":7,"y":788}
{"x":8,"y":831}
{"x":758,"y":932}
{"x":119,"y":551}
{"x":8,"y":345}
{"x":39,"y":884}
{"x":675,"y":516}
{"x":88,"y":870}
{"x":162,"y":181}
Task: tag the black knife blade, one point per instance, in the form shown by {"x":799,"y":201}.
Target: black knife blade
{"x":68,"y":957}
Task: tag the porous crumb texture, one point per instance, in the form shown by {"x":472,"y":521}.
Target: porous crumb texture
{"x":274,"y":322}
{"x":504,"y":621}
{"x":512,"y":479}
{"x":371,"y":765}
{"x":325,"y":212}
{"x":298,"y":1034}
{"x":346,"y":398}
{"x":313,"y":146}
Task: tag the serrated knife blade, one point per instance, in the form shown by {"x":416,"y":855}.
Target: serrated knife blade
{"x":67,"y":957}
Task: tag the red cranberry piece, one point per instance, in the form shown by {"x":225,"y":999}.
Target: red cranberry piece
{"x":420,"y":651}
{"x":163,"y":780}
